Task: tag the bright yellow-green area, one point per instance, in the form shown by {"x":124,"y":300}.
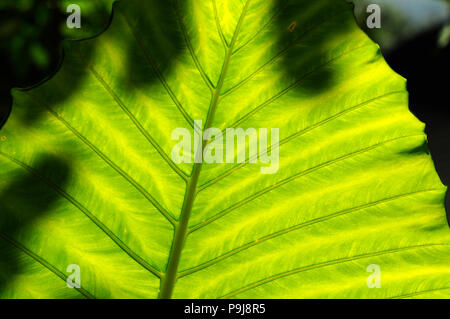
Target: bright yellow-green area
{"x":86,"y":175}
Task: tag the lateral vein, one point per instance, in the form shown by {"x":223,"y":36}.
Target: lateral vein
{"x":295,"y":135}
{"x":296,"y":227}
{"x":159,"y":75}
{"x":88,"y":214}
{"x":191,"y":49}
{"x":290,"y":179}
{"x":138,"y":125}
{"x":44,"y":263}
{"x":325,"y":264}
{"x":110,"y":163}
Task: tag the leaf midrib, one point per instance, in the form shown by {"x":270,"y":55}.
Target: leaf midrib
{"x":181,"y":228}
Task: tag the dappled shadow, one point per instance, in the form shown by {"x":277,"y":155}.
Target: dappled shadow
{"x":21,"y":33}
{"x":419,"y":60}
{"x":71,"y":83}
{"x":166,"y":43}
{"x":50,"y":38}
{"x":305,"y":41}
{"x":26,"y":198}
{"x":23,"y":202}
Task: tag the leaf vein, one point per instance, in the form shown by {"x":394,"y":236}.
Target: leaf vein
{"x":44,"y":263}
{"x":325,"y":264}
{"x":419,"y":293}
{"x":276,"y":57}
{"x":291,"y":178}
{"x":295,"y":84}
{"x":254,"y":37}
{"x":295,"y":135}
{"x":158,"y":74}
{"x":181,"y":229}
{"x":296,"y":227}
{"x":218,"y":26}
{"x":87,"y":213}
{"x":110,"y":163}
{"x":191,"y":49}
{"x":138,"y":125}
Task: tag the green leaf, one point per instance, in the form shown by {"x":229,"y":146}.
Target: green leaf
{"x":87,"y":176}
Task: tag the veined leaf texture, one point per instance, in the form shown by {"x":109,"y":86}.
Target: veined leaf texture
{"x":87,"y":176}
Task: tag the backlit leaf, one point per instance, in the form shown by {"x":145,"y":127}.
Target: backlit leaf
{"x":87,"y":176}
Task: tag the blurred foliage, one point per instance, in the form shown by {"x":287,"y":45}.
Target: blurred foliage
{"x":31,"y":32}
{"x":403,"y":20}
{"x":444,"y":36}
{"x":24,"y":34}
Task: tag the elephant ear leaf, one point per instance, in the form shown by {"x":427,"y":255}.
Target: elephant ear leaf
{"x":92,"y":198}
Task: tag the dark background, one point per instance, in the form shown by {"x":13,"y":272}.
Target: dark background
{"x":30,"y":51}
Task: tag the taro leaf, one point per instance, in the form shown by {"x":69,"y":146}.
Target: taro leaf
{"x":87,"y":178}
